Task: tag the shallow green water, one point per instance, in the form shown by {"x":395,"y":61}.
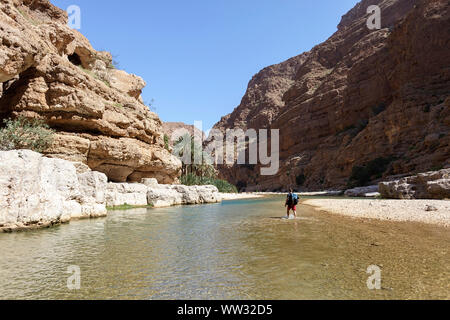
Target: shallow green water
{"x":234,"y":250}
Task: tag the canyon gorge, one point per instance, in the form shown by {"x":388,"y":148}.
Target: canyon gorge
{"x":362,"y":99}
{"x":364,"y":106}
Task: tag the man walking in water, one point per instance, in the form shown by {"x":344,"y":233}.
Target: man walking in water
{"x":291,"y":203}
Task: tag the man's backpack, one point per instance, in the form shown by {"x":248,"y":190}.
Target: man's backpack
{"x":295,"y":199}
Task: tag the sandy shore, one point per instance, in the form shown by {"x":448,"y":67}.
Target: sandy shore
{"x":393,"y":210}
{"x":238,"y":196}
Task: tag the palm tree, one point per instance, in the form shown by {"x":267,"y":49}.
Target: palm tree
{"x":188,"y":151}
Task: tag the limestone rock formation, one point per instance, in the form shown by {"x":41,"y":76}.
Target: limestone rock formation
{"x":360,"y":97}
{"x":37,"y":191}
{"x":51,"y":72}
{"x":133,"y":194}
{"x":430,"y":185}
{"x":167,"y":195}
{"x":370,"y":191}
{"x":151,"y":193}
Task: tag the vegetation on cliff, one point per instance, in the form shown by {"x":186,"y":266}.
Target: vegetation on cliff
{"x":373,"y":170}
{"x":51,"y":72}
{"x":23,"y":133}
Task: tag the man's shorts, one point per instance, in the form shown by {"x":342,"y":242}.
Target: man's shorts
{"x":293,"y":208}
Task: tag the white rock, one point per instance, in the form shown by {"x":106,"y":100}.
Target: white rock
{"x":429,"y":185}
{"x":93,"y":188}
{"x":170,"y":195}
{"x":163,"y":197}
{"x":151,"y":182}
{"x":133,"y":194}
{"x":36,"y":191}
{"x":371,"y":191}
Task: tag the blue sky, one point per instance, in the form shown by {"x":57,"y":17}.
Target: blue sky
{"x":198,"y":56}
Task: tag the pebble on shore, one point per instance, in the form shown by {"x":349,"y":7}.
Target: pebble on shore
{"x":393,"y":210}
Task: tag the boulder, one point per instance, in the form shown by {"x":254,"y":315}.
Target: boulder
{"x":208,"y":194}
{"x":150,"y":182}
{"x":370,"y":191}
{"x":163,"y":197}
{"x":171,"y":195}
{"x":133,"y":194}
{"x":93,"y":186}
{"x":430,"y":185}
{"x":36,"y":191}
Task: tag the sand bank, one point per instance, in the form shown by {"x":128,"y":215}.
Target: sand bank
{"x":425,"y":211}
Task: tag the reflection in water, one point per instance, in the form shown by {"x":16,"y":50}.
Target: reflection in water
{"x":234,"y":250}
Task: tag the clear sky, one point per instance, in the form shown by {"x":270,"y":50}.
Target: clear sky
{"x":198,"y":56}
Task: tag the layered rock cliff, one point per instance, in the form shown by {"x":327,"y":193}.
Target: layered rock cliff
{"x":372,"y":102}
{"x":51,"y":72}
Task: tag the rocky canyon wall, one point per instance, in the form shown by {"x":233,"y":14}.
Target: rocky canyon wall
{"x":51,"y":72}
{"x":364,"y":98}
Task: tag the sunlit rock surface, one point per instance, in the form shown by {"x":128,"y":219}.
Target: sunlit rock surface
{"x":360,"y":95}
{"x":36,"y":191}
{"x":51,"y":72}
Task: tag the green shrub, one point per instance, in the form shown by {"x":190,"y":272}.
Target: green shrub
{"x":126,"y":206}
{"x":241,"y":185}
{"x":250,"y":167}
{"x":166,"y":142}
{"x":194,"y":180}
{"x":301,"y":179}
{"x":362,"y":175}
{"x":23,"y":133}
{"x":346,"y":129}
{"x":361,"y":125}
{"x":354,"y":129}
{"x":95,"y":76}
{"x":379,"y":109}
{"x":437,"y":168}
{"x":27,"y":17}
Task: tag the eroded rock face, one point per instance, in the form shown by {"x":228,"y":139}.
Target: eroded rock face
{"x":133,"y":194}
{"x":166,"y":196}
{"x":36,"y":191}
{"x":430,"y":185}
{"x":149,"y":192}
{"x":51,"y":72}
{"x":361,"y":95}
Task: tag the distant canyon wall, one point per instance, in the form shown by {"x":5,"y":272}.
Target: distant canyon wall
{"x":371,"y":99}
